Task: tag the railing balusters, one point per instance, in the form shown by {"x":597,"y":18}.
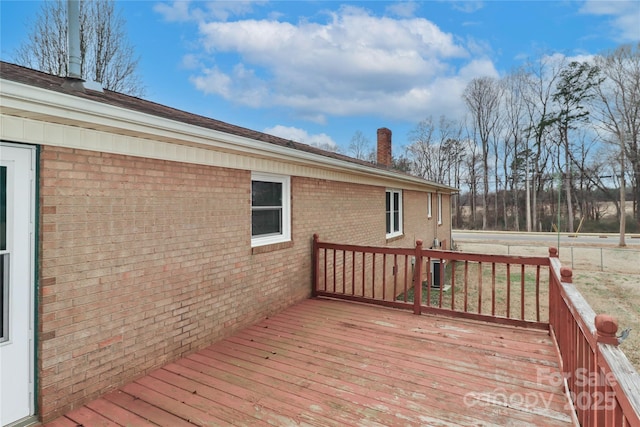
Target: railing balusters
{"x":453,"y":284}
{"x":466,"y":285}
{"x":353,"y":273}
{"x":344,"y":272}
{"x":508,"y":290}
{"x":429,"y":280}
{"x":537,"y":293}
{"x":373,"y":276}
{"x":395,"y":275}
{"x":522,"y":291}
{"x":364,"y":267}
{"x":406,"y":276}
{"x":334,"y":269}
{"x":493,"y":288}
{"x":480,"y":287}
{"x":325,"y":269}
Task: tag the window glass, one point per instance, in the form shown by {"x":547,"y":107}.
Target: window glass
{"x":393,"y":213}
{"x":4,"y":258}
{"x":270,"y":209}
{"x":4,"y":297}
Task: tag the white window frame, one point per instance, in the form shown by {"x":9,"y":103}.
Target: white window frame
{"x":429,"y":204}
{"x":393,"y":233}
{"x":285,"y":235}
{"x":439,"y":208}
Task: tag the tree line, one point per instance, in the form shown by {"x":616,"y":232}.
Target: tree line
{"x":552,"y":137}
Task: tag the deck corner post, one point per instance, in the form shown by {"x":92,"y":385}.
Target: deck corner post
{"x":566,"y":275}
{"x":606,"y":328}
{"x":315,"y":266}
{"x":553,"y":252}
{"x":417,"y":279}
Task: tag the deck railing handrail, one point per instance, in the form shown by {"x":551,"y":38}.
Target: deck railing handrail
{"x":601,"y":383}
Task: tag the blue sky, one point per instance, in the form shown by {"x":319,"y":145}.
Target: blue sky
{"x":319,"y":71}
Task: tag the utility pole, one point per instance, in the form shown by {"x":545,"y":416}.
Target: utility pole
{"x":528,"y":204}
{"x":623,"y":213}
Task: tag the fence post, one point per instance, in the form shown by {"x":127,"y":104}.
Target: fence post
{"x":315,"y":266}
{"x":417,"y":280}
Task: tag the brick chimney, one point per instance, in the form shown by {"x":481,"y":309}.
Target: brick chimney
{"x":384,"y":147}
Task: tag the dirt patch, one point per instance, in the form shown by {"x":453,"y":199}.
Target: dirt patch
{"x":608,"y":278}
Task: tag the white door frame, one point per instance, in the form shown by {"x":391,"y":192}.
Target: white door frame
{"x":17,"y":349}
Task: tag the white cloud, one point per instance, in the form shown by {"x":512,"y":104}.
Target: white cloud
{"x":403,"y":9}
{"x":321,"y":140}
{"x":467,"y":6}
{"x":625,"y":16}
{"x":339,"y":67}
{"x":184,"y":10}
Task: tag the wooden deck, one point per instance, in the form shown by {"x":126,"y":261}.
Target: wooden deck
{"x":336,"y":363}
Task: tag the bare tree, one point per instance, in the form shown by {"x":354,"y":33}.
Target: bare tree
{"x":360,"y":147}
{"x":482,"y":96}
{"x":105,"y":53}
{"x":542,"y":75}
{"x":618,"y":111}
{"x":512,"y":165}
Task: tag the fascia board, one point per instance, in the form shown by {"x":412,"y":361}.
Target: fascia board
{"x":33,"y":102}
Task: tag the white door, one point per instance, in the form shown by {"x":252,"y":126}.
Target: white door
{"x":17,"y":206}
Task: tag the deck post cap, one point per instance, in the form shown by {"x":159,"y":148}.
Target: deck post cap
{"x":606,"y":328}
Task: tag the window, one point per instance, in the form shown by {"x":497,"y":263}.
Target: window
{"x":439,"y":208}
{"x":429,"y":204}
{"x":4,"y":259}
{"x":270,"y":209}
{"x":394,"y":213}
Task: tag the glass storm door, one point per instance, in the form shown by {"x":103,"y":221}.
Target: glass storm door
{"x":17,"y":206}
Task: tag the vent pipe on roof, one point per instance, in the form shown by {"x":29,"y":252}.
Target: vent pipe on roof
{"x":73,"y":34}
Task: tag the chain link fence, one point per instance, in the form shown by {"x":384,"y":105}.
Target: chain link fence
{"x":585,"y":258}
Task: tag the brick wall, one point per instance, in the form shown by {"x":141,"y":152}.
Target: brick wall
{"x":143,"y":261}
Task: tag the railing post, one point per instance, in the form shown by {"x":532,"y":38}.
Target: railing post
{"x":566,"y":275}
{"x":315,"y":266}
{"x":553,"y":252}
{"x":606,"y":329}
{"x":417,"y":279}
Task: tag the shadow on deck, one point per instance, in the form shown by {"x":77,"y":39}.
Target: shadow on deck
{"x":324,"y":362}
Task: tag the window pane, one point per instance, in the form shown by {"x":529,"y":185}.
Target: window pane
{"x":266,"y":221}
{"x":396,"y":201}
{"x":396,"y":221}
{"x":4,"y":294}
{"x":388,"y":222}
{"x":388,"y":201}
{"x":266,"y":193}
{"x":3,"y":208}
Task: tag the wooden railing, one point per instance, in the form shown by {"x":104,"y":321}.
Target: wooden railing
{"x":602,"y":385}
{"x":496,"y":288}
{"x":601,"y":382}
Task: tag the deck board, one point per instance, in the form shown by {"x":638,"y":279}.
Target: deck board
{"x":335,"y":363}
